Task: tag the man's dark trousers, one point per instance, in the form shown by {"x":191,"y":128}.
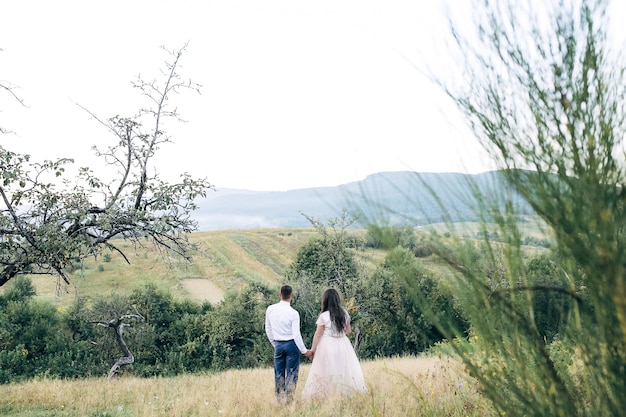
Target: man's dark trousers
{"x":286,"y":368}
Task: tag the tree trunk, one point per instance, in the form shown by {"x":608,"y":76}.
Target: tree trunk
{"x":125,"y":360}
{"x":118,"y":327}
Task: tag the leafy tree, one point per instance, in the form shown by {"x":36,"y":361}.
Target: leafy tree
{"x":325,"y":261}
{"x":546,"y":95}
{"x":388,"y":237}
{"x":22,"y":290}
{"x":48,"y":221}
{"x":235,"y":330}
{"x":552,"y":305}
{"x":29,"y":335}
{"x":329,"y":258}
{"x":394,"y":321}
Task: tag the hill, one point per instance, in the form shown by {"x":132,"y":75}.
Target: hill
{"x":249,"y":236}
{"x":397,"y":197}
{"x":225,"y":260}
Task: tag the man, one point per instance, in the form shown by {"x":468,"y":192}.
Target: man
{"x":282,"y":326}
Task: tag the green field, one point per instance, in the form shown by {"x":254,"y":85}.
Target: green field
{"x":224,"y":261}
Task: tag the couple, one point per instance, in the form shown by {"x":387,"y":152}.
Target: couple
{"x":335,"y":367}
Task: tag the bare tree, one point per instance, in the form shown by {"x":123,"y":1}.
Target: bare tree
{"x":117,"y":325}
{"x":9,"y":88}
{"x":47,"y":221}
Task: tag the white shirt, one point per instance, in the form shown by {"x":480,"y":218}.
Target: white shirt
{"x":282,"y":322}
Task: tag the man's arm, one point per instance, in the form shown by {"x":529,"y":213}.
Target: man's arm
{"x":295,"y":330}
{"x":268,"y":327}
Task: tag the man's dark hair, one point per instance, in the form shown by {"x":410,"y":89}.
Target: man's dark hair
{"x":285,"y":292}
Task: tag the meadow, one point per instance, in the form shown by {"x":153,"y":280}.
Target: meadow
{"x":409,"y":386}
{"x":434,"y":385}
{"x":224,"y":261}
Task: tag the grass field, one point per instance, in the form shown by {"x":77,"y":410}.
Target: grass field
{"x":225,"y":261}
{"x":398,"y":387}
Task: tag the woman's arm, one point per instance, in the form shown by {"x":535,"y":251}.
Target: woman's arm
{"x":318,"y":335}
{"x":347,"y":329}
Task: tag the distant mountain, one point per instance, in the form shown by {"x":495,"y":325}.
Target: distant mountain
{"x":398,"y":198}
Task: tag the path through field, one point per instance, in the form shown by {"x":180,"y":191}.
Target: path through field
{"x":203,"y":290}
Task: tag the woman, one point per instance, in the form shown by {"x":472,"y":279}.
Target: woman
{"x":335,"y":367}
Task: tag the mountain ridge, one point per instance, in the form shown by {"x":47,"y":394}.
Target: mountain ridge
{"x":397,"y":197}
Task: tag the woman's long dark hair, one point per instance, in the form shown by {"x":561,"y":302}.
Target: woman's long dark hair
{"x":332,"y":302}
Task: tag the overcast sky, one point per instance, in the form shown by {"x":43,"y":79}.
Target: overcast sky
{"x":295,"y":93}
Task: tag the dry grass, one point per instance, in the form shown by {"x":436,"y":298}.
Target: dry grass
{"x":398,"y":387}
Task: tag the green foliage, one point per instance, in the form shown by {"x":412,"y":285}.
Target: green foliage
{"x":235,"y":331}
{"x":315,"y":259}
{"x":398,"y":304}
{"x":385,"y":306}
{"x":335,"y":261}
{"x":49,"y":223}
{"x":552,"y":113}
{"x":552,"y":302}
{"x":174,"y":337}
{"x":389,"y":237}
{"x":31,"y":332}
{"x":316,"y":269}
{"x":22,"y":289}
{"x":533,"y":241}
{"x":325,"y":261}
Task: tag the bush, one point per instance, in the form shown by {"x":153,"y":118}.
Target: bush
{"x":395,"y":321}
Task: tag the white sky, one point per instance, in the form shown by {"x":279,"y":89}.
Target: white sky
{"x":296,"y":93}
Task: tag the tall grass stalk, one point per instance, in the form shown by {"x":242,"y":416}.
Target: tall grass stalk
{"x":543,"y":89}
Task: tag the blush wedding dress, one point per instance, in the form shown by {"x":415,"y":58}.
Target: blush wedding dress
{"x":335,"y":368}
